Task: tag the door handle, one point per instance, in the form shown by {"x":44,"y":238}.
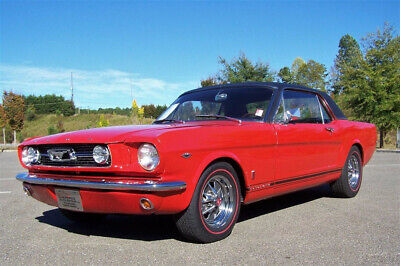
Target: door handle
{"x":330,"y":129}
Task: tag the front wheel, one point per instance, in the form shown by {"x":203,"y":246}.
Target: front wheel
{"x":215,"y":205}
{"x":348,"y":185}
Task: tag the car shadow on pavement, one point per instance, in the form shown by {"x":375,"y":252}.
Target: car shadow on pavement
{"x":282,"y":202}
{"x":159,"y":227}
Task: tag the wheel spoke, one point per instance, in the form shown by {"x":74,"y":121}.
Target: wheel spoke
{"x":212,"y":207}
{"x":353,"y":172}
{"x":217,"y":202}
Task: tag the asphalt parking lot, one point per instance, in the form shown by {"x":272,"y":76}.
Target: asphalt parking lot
{"x":308,"y":227}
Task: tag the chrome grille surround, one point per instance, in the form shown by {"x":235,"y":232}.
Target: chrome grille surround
{"x":82,"y":155}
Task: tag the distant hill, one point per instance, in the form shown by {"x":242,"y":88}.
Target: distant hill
{"x":42,"y":124}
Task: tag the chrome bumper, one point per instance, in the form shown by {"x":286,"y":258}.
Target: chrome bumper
{"x":148,"y":185}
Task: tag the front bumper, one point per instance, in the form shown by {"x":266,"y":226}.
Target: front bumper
{"x":100,"y":196}
{"x":146,"y":185}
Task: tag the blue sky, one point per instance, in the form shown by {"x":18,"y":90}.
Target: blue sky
{"x":160,"y":49}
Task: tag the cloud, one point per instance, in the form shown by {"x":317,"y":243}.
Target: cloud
{"x":94,"y":89}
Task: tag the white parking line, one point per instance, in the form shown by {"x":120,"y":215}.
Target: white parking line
{"x":5,"y":192}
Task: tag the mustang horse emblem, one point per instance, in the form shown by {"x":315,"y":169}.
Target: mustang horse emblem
{"x":61,"y":155}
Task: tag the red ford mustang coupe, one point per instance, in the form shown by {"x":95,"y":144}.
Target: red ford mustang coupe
{"x":212,"y":150}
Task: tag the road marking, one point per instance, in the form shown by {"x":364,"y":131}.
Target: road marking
{"x":5,"y":192}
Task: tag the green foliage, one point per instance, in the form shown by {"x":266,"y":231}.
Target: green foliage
{"x":298,"y":62}
{"x":103,"y":122}
{"x":348,"y":58}
{"x":153,"y":111}
{"x":210,"y":81}
{"x":51,"y":130}
{"x":30,"y":113}
{"x":311,"y":74}
{"x":14,"y":109}
{"x":285,"y":75}
{"x":370,"y":88}
{"x":50,"y":104}
{"x":238,"y":70}
{"x":116,"y":111}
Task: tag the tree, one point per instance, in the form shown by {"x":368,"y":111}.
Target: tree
{"x":135,"y":109}
{"x":49,"y":104}
{"x":210,"y":81}
{"x":372,"y":90}
{"x":238,"y":70}
{"x":286,"y":75}
{"x":297,"y":63}
{"x":312,"y":74}
{"x":14,"y":108}
{"x":3,"y":122}
{"x":349,"y":57}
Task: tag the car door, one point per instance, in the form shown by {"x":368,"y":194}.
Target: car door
{"x":307,"y":144}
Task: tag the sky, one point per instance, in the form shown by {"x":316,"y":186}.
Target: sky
{"x":153,"y":51}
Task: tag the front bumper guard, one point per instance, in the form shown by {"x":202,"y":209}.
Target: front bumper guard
{"x":147,"y":186}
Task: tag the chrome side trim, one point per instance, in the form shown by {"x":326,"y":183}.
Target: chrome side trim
{"x":148,"y":186}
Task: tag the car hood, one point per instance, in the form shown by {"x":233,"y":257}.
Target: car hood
{"x":110,"y":134}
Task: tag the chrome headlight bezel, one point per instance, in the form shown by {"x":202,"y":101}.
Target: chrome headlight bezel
{"x":30,"y":155}
{"x":101,"y":154}
{"x":148,"y":157}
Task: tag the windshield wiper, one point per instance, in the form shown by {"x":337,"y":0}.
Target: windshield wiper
{"x":221,"y":117}
{"x":168,"y":120}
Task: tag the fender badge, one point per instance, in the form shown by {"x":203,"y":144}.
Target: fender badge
{"x":186,"y":155}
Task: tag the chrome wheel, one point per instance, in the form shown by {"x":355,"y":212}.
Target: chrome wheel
{"x":353,"y":171}
{"x":218,"y":199}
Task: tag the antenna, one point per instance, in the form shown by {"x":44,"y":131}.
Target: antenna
{"x":72,"y":89}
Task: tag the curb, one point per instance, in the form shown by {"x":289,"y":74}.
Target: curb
{"x":7,"y":150}
{"x":387,"y":150}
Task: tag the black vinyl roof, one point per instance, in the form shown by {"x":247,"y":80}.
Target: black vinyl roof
{"x":277,"y":86}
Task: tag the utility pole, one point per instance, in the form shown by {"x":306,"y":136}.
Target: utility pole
{"x":72,"y":89}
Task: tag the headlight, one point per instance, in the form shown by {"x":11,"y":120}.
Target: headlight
{"x":148,"y":156}
{"x":101,"y":154}
{"x":30,"y":156}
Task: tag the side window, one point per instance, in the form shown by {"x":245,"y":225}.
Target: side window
{"x":302,"y":107}
{"x":280,"y":114}
{"x":325,"y":114}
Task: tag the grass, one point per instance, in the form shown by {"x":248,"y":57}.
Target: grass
{"x":39,"y":126}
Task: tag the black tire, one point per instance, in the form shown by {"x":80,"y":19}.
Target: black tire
{"x":196,"y":223}
{"x":82,"y":217}
{"x":343,"y":187}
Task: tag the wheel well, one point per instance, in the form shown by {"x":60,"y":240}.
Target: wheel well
{"x":238,"y":170}
{"x":358,"y":145}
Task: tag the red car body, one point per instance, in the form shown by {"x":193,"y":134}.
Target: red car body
{"x":270,"y":159}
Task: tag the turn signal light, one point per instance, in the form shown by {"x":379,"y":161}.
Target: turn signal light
{"x":146,"y":204}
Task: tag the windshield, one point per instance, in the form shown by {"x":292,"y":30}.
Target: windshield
{"x":249,"y":104}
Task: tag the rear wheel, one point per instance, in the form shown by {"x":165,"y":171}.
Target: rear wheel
{"x":215,"y":205}
{"x":349,"y":183}
{"x":82,"y":217}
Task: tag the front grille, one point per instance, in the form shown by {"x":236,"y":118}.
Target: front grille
{"x":83,"y":153}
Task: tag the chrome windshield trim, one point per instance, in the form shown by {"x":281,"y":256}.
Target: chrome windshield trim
{"x":149,"y":185}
